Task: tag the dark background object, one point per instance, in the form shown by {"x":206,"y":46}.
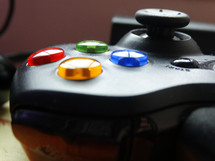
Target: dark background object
{"x":7,"y":71}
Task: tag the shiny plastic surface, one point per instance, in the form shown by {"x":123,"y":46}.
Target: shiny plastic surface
{"x":129,"y":58}
{"x":45,"y":56}
{"x":92,"y":46}
{"x":79,"y":69}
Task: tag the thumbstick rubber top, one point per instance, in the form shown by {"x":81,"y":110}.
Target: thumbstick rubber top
{"x":162,"y":18}
{"x":160,"y":23}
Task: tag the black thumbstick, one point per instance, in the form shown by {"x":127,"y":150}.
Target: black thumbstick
{"x":161,"y":23}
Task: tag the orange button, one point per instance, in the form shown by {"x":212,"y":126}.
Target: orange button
{"x":79,"y":69}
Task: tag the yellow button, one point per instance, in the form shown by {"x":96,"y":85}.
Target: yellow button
{"x":79,"y":69}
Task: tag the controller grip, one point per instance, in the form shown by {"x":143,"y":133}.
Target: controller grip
{"x":198,"y":135}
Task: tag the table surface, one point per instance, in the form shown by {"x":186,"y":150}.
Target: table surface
{"x":10,"y":148}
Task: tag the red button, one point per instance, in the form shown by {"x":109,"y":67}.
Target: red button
{"x":45,"y":56}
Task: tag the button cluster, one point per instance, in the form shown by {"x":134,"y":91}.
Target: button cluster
{"x":81,"y":68}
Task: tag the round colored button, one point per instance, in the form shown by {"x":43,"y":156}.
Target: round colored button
{"x":92,"y":46}
{"x":129,"y":58}
{"x":45,"y":56}
{"x":79,"y":69}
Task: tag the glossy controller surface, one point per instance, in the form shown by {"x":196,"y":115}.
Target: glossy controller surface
{"x":117,"y":95}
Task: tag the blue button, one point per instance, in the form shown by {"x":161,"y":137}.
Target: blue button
{"x":129,"y":58}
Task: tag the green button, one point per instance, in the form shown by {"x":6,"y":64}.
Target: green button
{"x":92,"y":46}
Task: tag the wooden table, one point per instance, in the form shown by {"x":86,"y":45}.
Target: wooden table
{"x":10,"y":148}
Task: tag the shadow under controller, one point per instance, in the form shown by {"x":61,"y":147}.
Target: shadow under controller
{"x":133,"y":101}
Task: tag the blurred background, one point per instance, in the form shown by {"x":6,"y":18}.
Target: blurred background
{"x":41,"y":23}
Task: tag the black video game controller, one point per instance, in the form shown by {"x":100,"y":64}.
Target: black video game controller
{"x":122,"y":102}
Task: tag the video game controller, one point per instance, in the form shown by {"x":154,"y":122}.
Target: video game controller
{"x":117,"y":102}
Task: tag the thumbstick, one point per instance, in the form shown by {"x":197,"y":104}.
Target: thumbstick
{"x":160,"y":23}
